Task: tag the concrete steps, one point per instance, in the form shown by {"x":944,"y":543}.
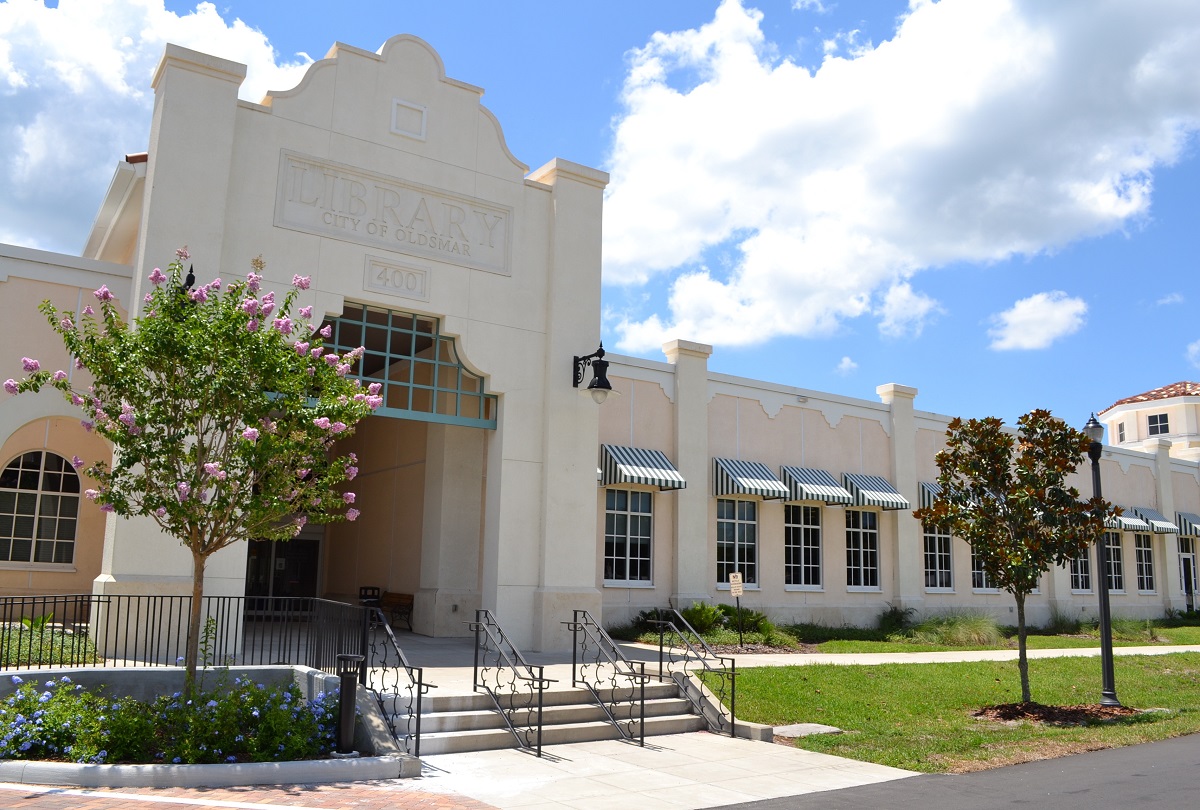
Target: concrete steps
{"x":459,"y":723}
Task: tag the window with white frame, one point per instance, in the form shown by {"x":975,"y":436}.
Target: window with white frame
{"x":1081,"y":572}
{"x":980,"y":580}
{"x":737,"y":540}
{"x":802,"y":545}
{"x":1143,"y":556}
{"x":39,"y":509}
{"x":1187,"y":566}
{"x":937,"y":559}
{"x":627,"y":533}
{"x":1116,"y":566}
{"x":862,"y":549}
{"x":1120,"y":432}
{"x":1157,"y":424}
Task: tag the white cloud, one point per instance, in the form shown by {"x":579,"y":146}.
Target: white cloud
{"x":982,"y":130}
{"x":810,"y":5}
{"x":1037,"y":321}
{"x":904,"y":312}
{"x":846,"y":366}
{"x":1193,"y":353}
{"x":1170,"y":298}
{"x":75,"y":98}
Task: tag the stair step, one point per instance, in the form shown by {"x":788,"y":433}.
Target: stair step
{"x":481,"y":701}
{"x":561,"y":734}
{"x":477,"y":719}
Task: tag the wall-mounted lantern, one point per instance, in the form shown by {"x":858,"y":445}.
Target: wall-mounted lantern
{"x":599,"y":387}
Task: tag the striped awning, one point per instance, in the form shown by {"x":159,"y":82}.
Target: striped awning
{"x":734,"y":477}
{"x":1189,"y":523}
{"x":632,"y":465}
{"x":871,"y":490}
{"x":1158,"y":522}
{"x":1127,"y":522}
{"x":929,"y":491}
{"x":806,"y":484}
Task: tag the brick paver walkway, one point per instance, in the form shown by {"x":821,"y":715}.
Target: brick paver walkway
{"x":390,"y":795}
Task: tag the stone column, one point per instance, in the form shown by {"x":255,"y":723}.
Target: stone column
{"x":1166,"y":546}
{"x":693,"y":581}
{"x":910,"y":559}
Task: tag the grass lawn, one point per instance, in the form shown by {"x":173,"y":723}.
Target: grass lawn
{"x":918,"y":716}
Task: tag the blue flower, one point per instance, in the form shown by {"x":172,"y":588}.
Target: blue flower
{"x":64,"y":679}
{"x":17,"y":679}
{"x":231,"y":758}
{"x":254,"y":712}
{"x":25,"y":746}
{"x":44,"y":697}
{"x":212,"y":704}
{"x":176,"y":760}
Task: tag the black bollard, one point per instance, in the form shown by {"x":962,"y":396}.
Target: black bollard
{"x":348,"y":673}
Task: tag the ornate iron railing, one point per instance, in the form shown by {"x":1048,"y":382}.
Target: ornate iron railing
{"x":707,"y":680}
{"x":599,"y":665}
{"x":516,"y":688}
{"x":397,"y":685}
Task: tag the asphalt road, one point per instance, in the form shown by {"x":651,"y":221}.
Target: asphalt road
{"x":1163,"y":775}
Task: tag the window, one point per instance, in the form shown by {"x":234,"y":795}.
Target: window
{"x":39,"y":507}
{"x":1120,"y":432}
{"x":980,"y":581}
{"x":862,"y":549}
{"x":627,"y":526}
{"x":1143,"y":555}
{"x":737,"y":539}
{"x":937,"y":559}
{"x":1116,"y":568}
{"x":1081,"y":572}
{"x":802,"y":546}
{"x":1187,"y":568}
{"x":1158,"y":424}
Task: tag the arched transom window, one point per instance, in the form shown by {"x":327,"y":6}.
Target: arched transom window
{"x":39,"y":509}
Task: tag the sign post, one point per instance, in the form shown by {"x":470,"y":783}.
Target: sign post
{"x":735,"y":590}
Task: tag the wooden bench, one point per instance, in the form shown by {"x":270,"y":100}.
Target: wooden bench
{"x":399,"y":606}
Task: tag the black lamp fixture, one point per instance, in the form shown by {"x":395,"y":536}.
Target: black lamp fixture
{"x":1108,"y":688}
{"x":599,"y":387}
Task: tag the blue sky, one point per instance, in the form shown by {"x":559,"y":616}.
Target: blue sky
{"x":993,"y":201}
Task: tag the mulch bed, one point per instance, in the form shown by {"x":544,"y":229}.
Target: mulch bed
{"x":761,"y":649}
{"x":1082,"y":714}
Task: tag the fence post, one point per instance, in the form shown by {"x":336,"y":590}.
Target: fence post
{"x":348,"y":666}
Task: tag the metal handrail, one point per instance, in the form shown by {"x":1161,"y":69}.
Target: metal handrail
{"x":595,"y":657}
{"x":399,"y":700}
{"x":516,"y":687}
{"x":680,"y":662}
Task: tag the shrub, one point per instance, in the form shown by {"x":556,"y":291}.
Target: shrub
{"x":238,"y":722}
{"x":752,"y":620}
{"x":44,"y":646}
{"x":894,"y":619}
{"x":1062,"y":624}
{"x":703,"y":617}
{"x":957,"y":630}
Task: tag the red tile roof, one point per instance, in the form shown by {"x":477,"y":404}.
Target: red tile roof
{"x":1179,"y":389}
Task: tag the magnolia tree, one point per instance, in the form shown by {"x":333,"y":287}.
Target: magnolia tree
{"x":222,"y":408}
{"x":1006,"y":494}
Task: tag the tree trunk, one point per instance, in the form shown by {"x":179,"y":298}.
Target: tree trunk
{"x":197,"y":612}
{"x":1022,"y":660}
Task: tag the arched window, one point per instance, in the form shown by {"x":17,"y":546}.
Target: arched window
{"x":39,"y":508}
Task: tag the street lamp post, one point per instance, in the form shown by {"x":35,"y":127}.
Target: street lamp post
{"x":1108,"y":691}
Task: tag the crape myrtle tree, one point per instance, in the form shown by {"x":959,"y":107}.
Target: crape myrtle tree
{"x":1006,"y":494}
{"x":222,"y":410}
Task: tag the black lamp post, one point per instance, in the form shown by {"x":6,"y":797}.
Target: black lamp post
{"x":1108,"y":691}
{"x":599,"y":387}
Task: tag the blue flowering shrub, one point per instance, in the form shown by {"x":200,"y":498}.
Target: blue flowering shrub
{"x":240,"y":721}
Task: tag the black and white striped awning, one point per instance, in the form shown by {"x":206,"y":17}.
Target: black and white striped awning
{"x":1158,"y":522}
{"x":734,"y":477}
{"x":632,"y":465}
{"x":929,"y":492}
{"x":1127,"y":522}
{"x":871,"y":490}
{"x":1189,"y":524}
{"x":805,"y":484}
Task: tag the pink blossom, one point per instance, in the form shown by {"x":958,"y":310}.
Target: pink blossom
{"x":103,"y":294}
{"x":300,"y":521}
{"x":250,"y":306}
{"x":316,"y":352}
{"x":337,"y":427}
{"x":351,"y":473}
{"x":77,"y":400}
{"x":322,"y":422}
{"x":253,"y":281}
{"x":10,"y":385}
{"x":374,"y":402}
{"x":268,"y":425}
{"x":213,"y":470}
{"x":268,"y":304}
{"x":157,"y":277}
{"x":301,"y":282}
{"x":88,"y":310}
{"x":184,"y":489}
{"x":77,"y":462}
{"x":215,"y":284}
{"x":161,"y":511}
{"x":331,"y":359}
{"x":127,"y":417}
{"x":106,"y":507}
{"x":311,"y":371}
{"x":343,"y":369}
{"x":360,"y":396}
{"x":182,"y":253}
{"x":305,"y":312}
{"x":147,"y":298}
{"x":352,"y":515}
{"x":354,"y":354}
{"x":302,"y":473}
{"x":199,"y":295}
{"x":301,"y":348}
{"x":60,"y":375}
{"x":67,"y":324}
{"x":78,"y":363}
{"x":353,"y":458}
{"x":86,"y":425}
{"x":252,"y":326}
{"x":250,"y":434}
{"x":91,"y":494}
{"x":348,"y":497}
{"x":374,"y":388}
{"x":29,"y":364}
{"x":283,"y":325}
{"x":327,"y":331}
